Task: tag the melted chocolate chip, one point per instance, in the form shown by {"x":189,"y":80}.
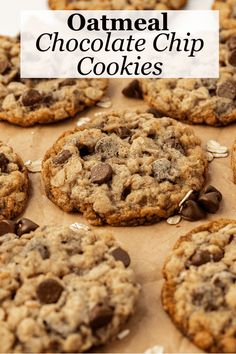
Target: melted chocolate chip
{"x":25,"y":226}
{"x":62,"y":157}
{"x":67,"y":82}
{"x":227,"y":89}
{"x":101,"y":173}
{"x":7,"y":227}
{"x":200,"y":257}
{"x":49,"y":291}
{"x":121,"y":255}
{"x":31,"y":97}
{"x":133,"y":90}
{"x":3,"y":162}
{"x":101,"y":315}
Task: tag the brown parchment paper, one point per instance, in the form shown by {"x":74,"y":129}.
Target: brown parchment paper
{"x":147,"y":245}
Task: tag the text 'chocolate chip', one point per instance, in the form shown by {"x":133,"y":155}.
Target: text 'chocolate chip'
{"x":49,"y":291}
{"x":101,"y":316}
{"x":121,"y":255}
{"x":101,"y":173}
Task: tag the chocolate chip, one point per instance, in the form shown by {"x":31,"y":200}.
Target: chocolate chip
{"x":218,"y":255}
{"x":121,"y":255}
{"x":107,"y":147}
{"x":4,"y":64}
{"x":31,"y":97}
{"x":210,"y":202}
{"x":133,"y":90}
{"x":67,"y":82}
{"x":62,"y":157}
{"x":227,"y":89}
{"x":155,"y":112}
{"x":175,"y":144}
{"x":84,"y":150}
{"x":49,"y":291}
{"x":200,"y":257}
{"x":101,"y":173}
{"x":192,"y":211}
{"x":231,"y":43}
{"x":44,"y":251}
{"x":126,"y":191}
{"x":25,"y":226}
{"x":232,"y":58}
{"x":101,"y":315}
{"x":7,"y":227}
{"x":3,"y":162}
{"x":210,"y":189}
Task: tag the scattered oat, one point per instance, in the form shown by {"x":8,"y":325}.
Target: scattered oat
{"x":104,"y":103}
{"x":220,"y":155}
{"x":77,"y":226}
{"x":185,"y":198}
{"x":210,"y":157}
{"x":83,"y":121}
{"x":174,"y":220}
{"x":215,"y":148}
{"x":157,"y":349}
{"x":98,"y":114}
{"x":34,"y":166}
{"x":123,"y":334}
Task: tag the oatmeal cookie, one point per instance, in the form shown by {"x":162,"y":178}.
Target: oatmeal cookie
{"x":125,"y":168}
{"x":200,"y":287}
{"x":116,"y":4}
{"x":227,"y":10}
{"x":26,"y":102}
{"x":199,"y":101}
{"x":62,"y":290}
{"x":14,"y":183}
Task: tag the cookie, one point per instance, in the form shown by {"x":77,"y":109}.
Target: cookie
{"x":199,"y":290}
{"x":125,"y":168}
{"x":116,"y":4}
{"x":199,"y":101}
{"x":227,"y":9}
{"x":26,"y":102}
{"x":233,"y":160}
{"x":62,"y":290}
{"x":14,"y":183}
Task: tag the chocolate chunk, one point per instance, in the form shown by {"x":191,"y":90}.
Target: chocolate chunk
{"x":107,"y":147}
{"x":67,"y":82}
{"x":200,"y":257}
{"x":4,"y":64}
{"x":210,"y":202}
{"x":155,"y":112}
{"x":31,"y":97}
{"x":210,"y":189}
{"x":175,"y":144}
{"x":62,"y":157}
{"x":227,"y":89}
{"x":218,"y":255}
{"x":7,"y":227}
{"x":43,"y":250}
{"x":192,"y":211}
{"x":232,"y":58}
{"x":101,"y":173}
{"x":25,"y":226}
{"x":49,"y":291}
{"x":231,"y":43}
{"x":133,"y":90}
{"x":3,"y":162}
{"x":101,"y":315}
{"x":121,"y":255}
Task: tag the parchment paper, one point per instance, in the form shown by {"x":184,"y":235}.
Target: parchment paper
{"x":147,"y":245}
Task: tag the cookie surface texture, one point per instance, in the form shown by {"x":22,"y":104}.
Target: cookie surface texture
{"x":125,"y":168}
{"x":199,"y":290}
{"x":62,"y":290}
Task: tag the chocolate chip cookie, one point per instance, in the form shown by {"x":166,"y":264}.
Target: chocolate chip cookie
{"x":62,"y":290}
{"x":227,"y":10}
{"x":200,"y":287}
{"x":26,"y":102}
{"x":14,"y":183}
{"x":125,"y":168}
{"x":198,"y":101}
{"x":116,"y":4}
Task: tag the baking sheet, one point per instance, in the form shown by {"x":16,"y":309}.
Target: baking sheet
{"x":147,"y":245}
